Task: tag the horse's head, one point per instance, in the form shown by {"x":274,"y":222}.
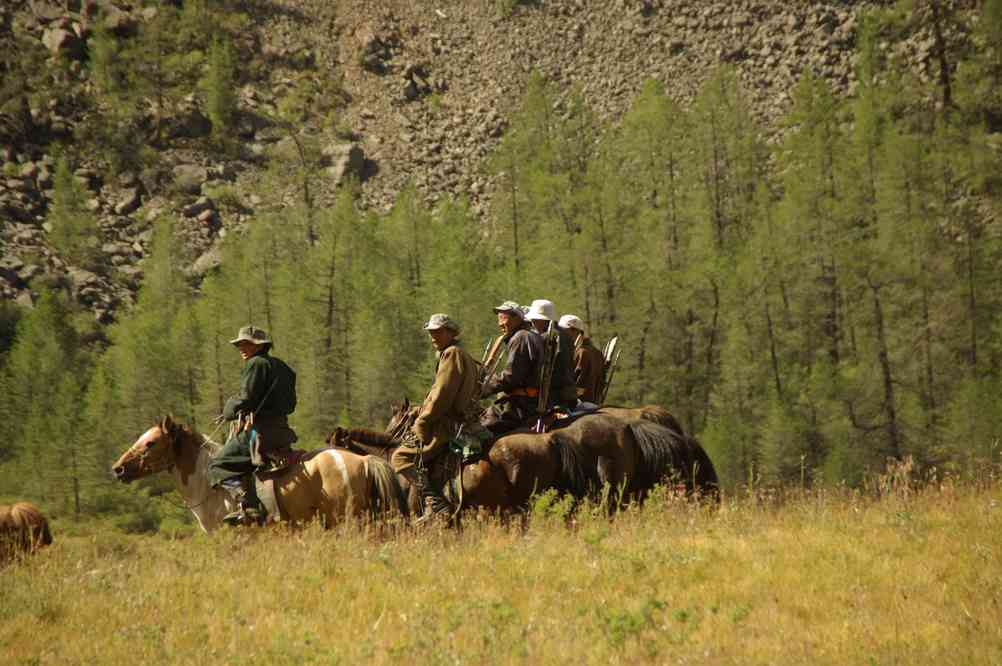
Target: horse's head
{"x":402,"y":419}
{"x":156,"y":450}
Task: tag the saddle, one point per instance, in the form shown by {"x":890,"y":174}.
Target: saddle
{"x":273,"y":464}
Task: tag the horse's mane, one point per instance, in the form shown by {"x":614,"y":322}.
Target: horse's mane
{"x":199,"y":438}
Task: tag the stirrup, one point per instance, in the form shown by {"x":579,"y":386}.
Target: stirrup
{"x":244,"y":516}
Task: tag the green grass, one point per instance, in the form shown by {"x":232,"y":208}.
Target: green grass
{"x":823,"y":577}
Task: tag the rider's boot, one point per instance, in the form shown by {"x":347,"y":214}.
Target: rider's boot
{"x":433,"y":500}
{"x":244,"y":493}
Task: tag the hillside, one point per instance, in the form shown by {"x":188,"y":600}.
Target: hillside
{"x":408,"y":93}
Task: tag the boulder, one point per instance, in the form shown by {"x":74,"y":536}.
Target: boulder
{"x":345,"y":159}
{"x":129,"y":203}
{"x":188,"y":178}
{"x":200,"y":206}
{"x":9,"y":268}
{"x":25,"y":299}
{"x":119,"y":23}
{"x":210,"y":259}
{"x":61,"y":42}
{"x":132,"y":275}
{"x":81,"y":279}
{"x":46,"y":12}
{"x":190,"y":124}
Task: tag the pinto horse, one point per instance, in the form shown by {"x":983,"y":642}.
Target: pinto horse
{"x":327,"y":483}
{"x":23,"y":530}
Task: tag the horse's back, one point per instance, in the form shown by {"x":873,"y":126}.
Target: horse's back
{"x":23,"y":529}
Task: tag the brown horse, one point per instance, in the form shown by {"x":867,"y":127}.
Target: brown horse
{"x":668,"y":454}
{"x":326,"y":483}
{"x":23,"y":530}
{"x":626,"y":451}
{"x":514,"y":467}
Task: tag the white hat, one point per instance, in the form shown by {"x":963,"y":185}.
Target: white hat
{"x":571,"y":321}
{"x":542,"y":310}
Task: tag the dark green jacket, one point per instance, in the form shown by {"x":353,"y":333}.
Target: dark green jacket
{"x":267,"y":389}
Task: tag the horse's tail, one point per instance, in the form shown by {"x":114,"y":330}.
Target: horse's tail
{"x":575,"y":475}
{"x":384,"y":488}
{"x":667,"y":454}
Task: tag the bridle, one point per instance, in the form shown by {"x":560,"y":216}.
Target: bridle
{"x":167,"y":462}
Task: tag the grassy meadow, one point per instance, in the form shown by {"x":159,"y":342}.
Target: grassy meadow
{"x":902,"y":576}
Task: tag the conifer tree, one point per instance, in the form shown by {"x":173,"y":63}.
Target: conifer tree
{"x":218,"y":85}
{"x":74,"y":228}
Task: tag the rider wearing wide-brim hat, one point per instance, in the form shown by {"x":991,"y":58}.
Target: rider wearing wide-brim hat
{"x":589,"y":362}
{"x":562,"y":390}
{"x":260,"y":410}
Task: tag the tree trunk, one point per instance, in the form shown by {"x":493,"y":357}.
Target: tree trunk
{"x":890,"y":409}
{"x":772,"y":351}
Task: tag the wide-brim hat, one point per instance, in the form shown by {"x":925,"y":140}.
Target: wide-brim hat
{"x":440,"y":320}
{"x":510,"y":307}
{"x":251,"y":334}
{"x":571,"y":321}
{"x":542,"y":310}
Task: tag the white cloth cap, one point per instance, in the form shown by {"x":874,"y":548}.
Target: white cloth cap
{"x":571,"y":321}
{"x":543,"y":310}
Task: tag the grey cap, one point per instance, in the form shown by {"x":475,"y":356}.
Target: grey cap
{"x":251,"y":334}
{"x":437,"y":321}
{"x":510,"y":307}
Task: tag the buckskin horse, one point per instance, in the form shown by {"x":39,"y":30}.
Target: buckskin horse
{"x":23,"y":530}
{"x":329,"y":484}
{"x":627,"y":451}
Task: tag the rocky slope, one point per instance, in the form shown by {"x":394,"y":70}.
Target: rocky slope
{"x":423,"y":91}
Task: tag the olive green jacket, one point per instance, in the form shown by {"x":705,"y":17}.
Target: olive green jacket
{"x":267,"y":390}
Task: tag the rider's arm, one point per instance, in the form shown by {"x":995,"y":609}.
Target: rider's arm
{"x":448,"y":380}
{"x":253,"y":385}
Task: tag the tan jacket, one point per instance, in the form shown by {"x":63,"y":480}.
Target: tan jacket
{"x":448,"y":400}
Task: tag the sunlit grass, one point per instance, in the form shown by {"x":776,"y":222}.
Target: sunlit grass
{"x":911,"y":576}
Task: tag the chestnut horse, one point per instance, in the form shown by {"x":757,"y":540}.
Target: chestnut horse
{"x":23,"y":530}
{"x":327,"y":483}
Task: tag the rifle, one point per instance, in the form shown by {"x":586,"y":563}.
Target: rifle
{"x":551,"y":340}
{"x":611,"y":356}
{"x":491,"y":360}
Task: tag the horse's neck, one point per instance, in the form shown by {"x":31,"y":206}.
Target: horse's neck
{"x":191,"y":475}
{"x":361,"y":448}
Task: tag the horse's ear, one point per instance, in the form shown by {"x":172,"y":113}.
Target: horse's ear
{"x":167,"y":424}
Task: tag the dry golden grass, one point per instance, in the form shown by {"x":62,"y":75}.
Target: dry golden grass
{"x":914,"y":577}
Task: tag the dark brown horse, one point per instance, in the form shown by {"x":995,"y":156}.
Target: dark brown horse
{"x":23,"y":530}
{"x":669,"y":455}
{"x":629,"y":451}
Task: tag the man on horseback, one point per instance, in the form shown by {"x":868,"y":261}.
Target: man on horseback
{"x":563,"y":391}
{"x":260,"y":411}
{"x":519,"y":381}
{"x":588,"y":360}
{"x":444,"y":409}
